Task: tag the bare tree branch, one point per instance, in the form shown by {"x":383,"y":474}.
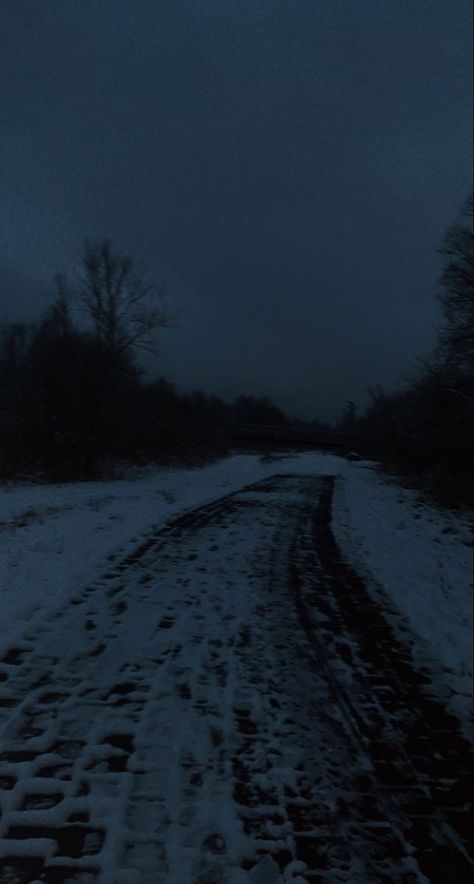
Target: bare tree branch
{"x":121,"y":304}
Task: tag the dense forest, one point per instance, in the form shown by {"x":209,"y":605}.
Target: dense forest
{"x":74,"y":400}
{"x":426,"y":429}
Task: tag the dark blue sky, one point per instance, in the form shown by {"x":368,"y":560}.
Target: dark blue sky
{"x":288,"y":166}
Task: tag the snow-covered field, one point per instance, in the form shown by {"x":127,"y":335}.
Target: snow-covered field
{"x":55,"y":539}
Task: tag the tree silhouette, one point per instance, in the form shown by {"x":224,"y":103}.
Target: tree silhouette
{"x":123,"y":306}
{"x":456,"y":292}
{"x":427,"y":428}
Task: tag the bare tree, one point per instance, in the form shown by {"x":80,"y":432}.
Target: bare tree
{"x":456,"y":292}
{"x":123,"y":305}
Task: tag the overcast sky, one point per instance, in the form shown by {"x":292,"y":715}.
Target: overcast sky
{"x":288,"y":166}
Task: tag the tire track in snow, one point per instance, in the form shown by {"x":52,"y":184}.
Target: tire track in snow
{"x":173,"y":725}
{"x":421,"y":765}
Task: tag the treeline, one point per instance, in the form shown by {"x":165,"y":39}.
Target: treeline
{"x":73,"y":400}
{"x":426,"y":430}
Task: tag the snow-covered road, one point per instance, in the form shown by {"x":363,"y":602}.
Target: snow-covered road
{"x":227,"y":704}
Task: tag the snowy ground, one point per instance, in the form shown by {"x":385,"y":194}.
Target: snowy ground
{"x":422,"y":557}
{"x":225,"y":676}
{"x":55,"y":539}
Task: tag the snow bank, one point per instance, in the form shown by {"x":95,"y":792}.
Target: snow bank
{"x":421,"y":556}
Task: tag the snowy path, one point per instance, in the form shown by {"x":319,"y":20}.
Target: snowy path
{"x":229,"y":704}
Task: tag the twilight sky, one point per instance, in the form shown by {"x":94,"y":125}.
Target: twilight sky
{"x":287,"y":166}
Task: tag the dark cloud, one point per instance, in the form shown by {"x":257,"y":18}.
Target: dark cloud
{"x":290,"y":167}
